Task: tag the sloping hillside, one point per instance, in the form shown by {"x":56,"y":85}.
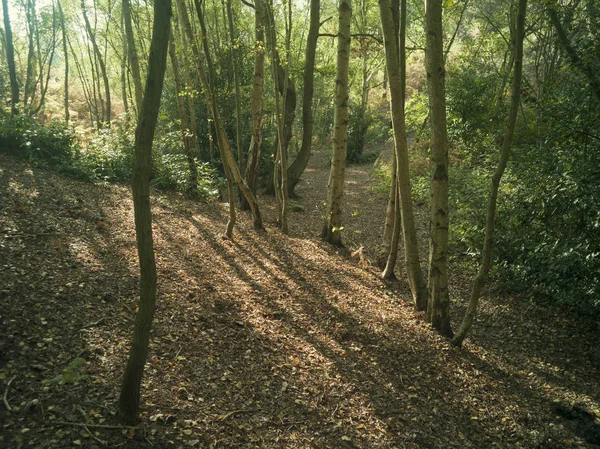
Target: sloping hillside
{"x":264,"y":341}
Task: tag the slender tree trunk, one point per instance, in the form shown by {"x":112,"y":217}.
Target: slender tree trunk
{"x":30,"y":74}
{"x":332,"y":226}
{"x":438,"y":308}
{"x":297,"y":167}
{"x":188,"y":89}
{"x":399,"y":18}
{"x":185,"y":132}
{"x":582,"y":66}
{"x":44,"y":83}
{"x":486,"y":254}
{"x":212,"y":103}
{"x":100,"y":60}
{"x":129,"y":399}
{"x":10,"y":56}
{"x":132,"y":54}
{"x":236,"y":81}
{"x":252,"y":167}
{"x":390,"y":216}
{"x":210,"y":87}
{"x":409,"y":231}
{"x":66,"y":56}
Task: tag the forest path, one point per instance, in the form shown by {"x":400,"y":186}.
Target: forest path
{"x":266,"y":341}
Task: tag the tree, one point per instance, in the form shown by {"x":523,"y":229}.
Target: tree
{"x":486,"y":254}
{"x":391,"y":236}
{"x":132,"y":55}
{"x":332,"y":225}
{"x":413,"y":265}
{"x":252,"y":167}
{"x":299,"y":164}
{"x":185,"y":133}
{"x":576,"y":60}
{"x":438,"y":307}
{"x":10,"y":56}
{"x":66,"y":56}
{"x":101,"y":62}
{"x":129,"y":399}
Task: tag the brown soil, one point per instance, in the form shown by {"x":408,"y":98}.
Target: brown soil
{"x":266,"y":341}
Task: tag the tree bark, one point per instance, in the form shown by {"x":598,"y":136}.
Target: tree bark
{"x":66,"y":56}
{"x":586,"y":69}
{"x":132,"y":55}
{"x":299,"y":164}
{"x":486,"y":254}
{"x":212,"y":103}
{"x":252,"y":167}
{"x":332,"y":225}
{"x":10,"y":56}
{"x":409,"y":231}
{"x":399,"y":18}
{"x":100,"y":59}
{"x":130,"y":391}
{"x":236,"y":82}
{"x":185,"y":133}
{"x":211,"y":92}
{"x":438,"y":307}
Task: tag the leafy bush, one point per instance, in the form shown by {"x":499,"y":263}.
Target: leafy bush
{"x":25,"y":137}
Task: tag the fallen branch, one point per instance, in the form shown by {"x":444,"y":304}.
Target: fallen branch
{"x":96,"y":426}
{"x":5,"y":398}
{"x":103,"y":443}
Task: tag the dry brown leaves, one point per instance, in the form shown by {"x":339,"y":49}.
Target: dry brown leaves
{"x":263,"y":341}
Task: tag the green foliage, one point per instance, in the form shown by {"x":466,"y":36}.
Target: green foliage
{"x":71,"y":374}
{"x":25,"y":137}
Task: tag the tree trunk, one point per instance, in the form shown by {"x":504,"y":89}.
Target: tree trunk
{"x":332,"y":226}
{"x":66,"y":56}
{"x":209,"y":86}
{"x":390,"y":217}
{"x":10,"y":56}
{"x":185,"y":133}
{"x":188,"y":89}
{"x":409,"y":231}
{"x":582,"y":66}
{"x":438,"y":308}
{"x":236,"y":82}
{"x":30,"y":74}
{"x":100,"y":59}
{"x":132,"y":54}
{"x":297,"y":167}
{"x":212,"y":103}
{"x":129,"y":399}
{"x":399,"y":21}
{"x":252,"y":167}
{"x":486,"y":254}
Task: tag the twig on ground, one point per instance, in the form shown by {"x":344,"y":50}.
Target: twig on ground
{"x":5,"y":398}
{"x":103,"y":443}
{"x":234,"y":412}
{"x":98,"y":426}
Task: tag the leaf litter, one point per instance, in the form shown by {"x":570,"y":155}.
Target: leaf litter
{"x":264,"y":341}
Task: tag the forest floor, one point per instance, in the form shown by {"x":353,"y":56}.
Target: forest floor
{"x":265,"y":341}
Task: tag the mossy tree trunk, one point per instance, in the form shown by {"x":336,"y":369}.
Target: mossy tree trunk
{"x":129,"y":399}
